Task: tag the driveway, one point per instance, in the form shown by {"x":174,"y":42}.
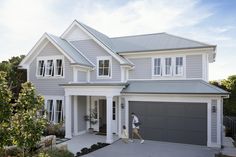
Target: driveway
{"x":153,"y":149}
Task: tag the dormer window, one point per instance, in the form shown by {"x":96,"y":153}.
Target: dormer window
{"x":50,"y":67}
{"x":104,"y":67}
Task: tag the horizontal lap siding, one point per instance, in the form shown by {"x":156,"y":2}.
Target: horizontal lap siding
{"x":81,"y":76}
{"x":194,"y":66}
{"x":214,"y":123}
{"x":142,"y":68}
{"x":92,"y":50}
{"x":50,"y":86}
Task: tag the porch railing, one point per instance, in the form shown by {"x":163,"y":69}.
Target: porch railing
{"x":230,"y":126}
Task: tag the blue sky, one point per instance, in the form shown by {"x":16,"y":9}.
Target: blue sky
{"x":23,"y":22}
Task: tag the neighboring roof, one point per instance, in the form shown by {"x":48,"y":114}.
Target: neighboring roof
{"x":72,"y":52}
{"x":172,"y":87}
{"x":154,"y":42}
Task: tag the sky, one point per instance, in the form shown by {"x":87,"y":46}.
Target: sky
{"x":23,"y":22}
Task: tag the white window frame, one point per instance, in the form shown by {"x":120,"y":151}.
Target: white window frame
{"x":164,"y":66}
{"x":49,"y":68}
{"x":45,"y":59}
{"x":56,"y":68}
{"x":153,"y":66}
{"x":175,"y":66}
{"x":110,"y":67}
{"x":52,"y":112}
{"x":54,"y":99}
{"x":57,"y":120}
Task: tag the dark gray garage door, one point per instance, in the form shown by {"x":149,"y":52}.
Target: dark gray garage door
{"x":172,"y":122}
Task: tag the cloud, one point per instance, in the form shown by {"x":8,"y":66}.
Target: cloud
{"x":23,"y":22}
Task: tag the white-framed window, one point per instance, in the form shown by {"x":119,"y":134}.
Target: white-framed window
{"x":50,"y":67}
{"x":167,"y":66}
{"x":50,"y":110}
{"x":54,"y":106}
{"x":41,"y":68}
{"x":179,"y":66}
{"x":59,"y":111}
{"x":104,"y":67}
{"x":157,"y":67}
{"x":59,"y":67}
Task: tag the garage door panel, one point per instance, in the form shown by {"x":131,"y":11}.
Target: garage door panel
{"x":173,"y":122}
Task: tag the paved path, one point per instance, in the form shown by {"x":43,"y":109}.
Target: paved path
{"x":153,"y":149}
{"x":229,"y":148}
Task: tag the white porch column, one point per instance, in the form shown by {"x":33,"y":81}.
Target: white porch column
{"x":127,"y":114}
{"x":76,"y":116}
{"x":209,"y":124}
{"x":68,"y":117}
{"x":109,"y":119}
{"x":119,"y":113}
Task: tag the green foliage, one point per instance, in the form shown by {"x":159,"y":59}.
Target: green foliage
{"x":228,"y":84}
{"x":27,"y":125}
{"x":55,"y":152}
{"x":15,"y":76}
{"x":5,"y":111}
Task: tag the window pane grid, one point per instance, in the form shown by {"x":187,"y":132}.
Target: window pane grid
{"x":104,"y":68}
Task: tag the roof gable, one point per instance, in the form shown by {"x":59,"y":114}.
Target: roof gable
{"x":62,"y":45}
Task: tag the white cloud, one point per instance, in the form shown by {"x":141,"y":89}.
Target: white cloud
{"x":23,"y":22}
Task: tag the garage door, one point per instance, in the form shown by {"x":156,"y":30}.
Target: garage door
{"x":172,"y":121}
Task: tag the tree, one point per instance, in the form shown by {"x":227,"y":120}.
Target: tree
{"x":228,"y":84}
{"x":27,"y":124}
{"x":15,"y":76}
{"x":5,"y":111}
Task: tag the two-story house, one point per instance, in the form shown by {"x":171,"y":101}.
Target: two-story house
{"x":161,"y":77}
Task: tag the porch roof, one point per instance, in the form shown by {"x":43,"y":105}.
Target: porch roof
{"x":172,"y":87}
{"x":93,"y":84}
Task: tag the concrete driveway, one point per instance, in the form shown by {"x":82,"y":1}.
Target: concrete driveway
{"x":153,"y":149}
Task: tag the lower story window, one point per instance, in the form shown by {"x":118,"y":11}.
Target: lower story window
{"x":54,"y":109}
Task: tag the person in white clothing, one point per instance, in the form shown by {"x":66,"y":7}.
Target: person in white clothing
{"x":124,"y":135}
{"x":135,"y":128}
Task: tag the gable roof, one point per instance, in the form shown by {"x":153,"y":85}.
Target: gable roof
{"x":71,"y":51}
{"x":172,"y":87}
{"x":154,"y":42}
{"x":68,"y":50}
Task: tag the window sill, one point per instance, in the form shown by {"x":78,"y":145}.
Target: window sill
{"x":50,"y":77}
{"x":104,"y":77}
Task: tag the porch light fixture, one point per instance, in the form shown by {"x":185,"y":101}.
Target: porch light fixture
{"x":122,"y":106}
{"x":213,"y":109}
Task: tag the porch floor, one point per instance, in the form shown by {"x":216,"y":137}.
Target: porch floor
{"x":86,"y":140}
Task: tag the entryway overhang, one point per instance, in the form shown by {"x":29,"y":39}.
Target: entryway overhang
{"x":108,"y":90}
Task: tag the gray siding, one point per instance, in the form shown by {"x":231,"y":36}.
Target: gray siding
{"x":50,"y":86}
{"x":142,"y":68}
{"x":92,"y":50}
{"x":194,"y":66}
{"x":81,"y":76}
{"x":81,"y":113}
{"x":214,"y":123}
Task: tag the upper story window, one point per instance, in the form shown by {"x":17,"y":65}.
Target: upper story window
{"x":168,"y":69}
{"x":104,"y":67}
{"x":179,"y":66}
{"x":157,"y":66}
{"x":50,"y":66}
{"x":168,"y":66}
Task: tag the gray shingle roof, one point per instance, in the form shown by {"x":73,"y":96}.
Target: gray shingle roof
{"x":151,"y":42}
{"x":173,"y":87}
{"x":72,"y":52}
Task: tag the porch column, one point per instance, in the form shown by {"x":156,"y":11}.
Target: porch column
{"x":109,"y":119}
{"x":68,"y":116}
{"x":76,"y":115}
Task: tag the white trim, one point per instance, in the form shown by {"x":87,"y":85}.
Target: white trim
{"x":68,"y":120}
{"x":218,"y":111}
{"x":209,"y":143}
{"x":99,"y":58}
{"x":127,"y":114}
{"x":45,"y":59}
{"x":169,"y":52}
{"x":76,"y":127}
{"x":119,"y":116}
{"x":76,"y":23}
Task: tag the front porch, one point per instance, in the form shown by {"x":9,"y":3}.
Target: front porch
{"x":99,"y":102}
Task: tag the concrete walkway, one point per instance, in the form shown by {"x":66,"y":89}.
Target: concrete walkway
{"x":153,"y":149}
{"x":229,"y":148}
{"x":86,"y":140}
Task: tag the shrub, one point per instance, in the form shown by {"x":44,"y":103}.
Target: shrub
{"x":55,"y":152}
